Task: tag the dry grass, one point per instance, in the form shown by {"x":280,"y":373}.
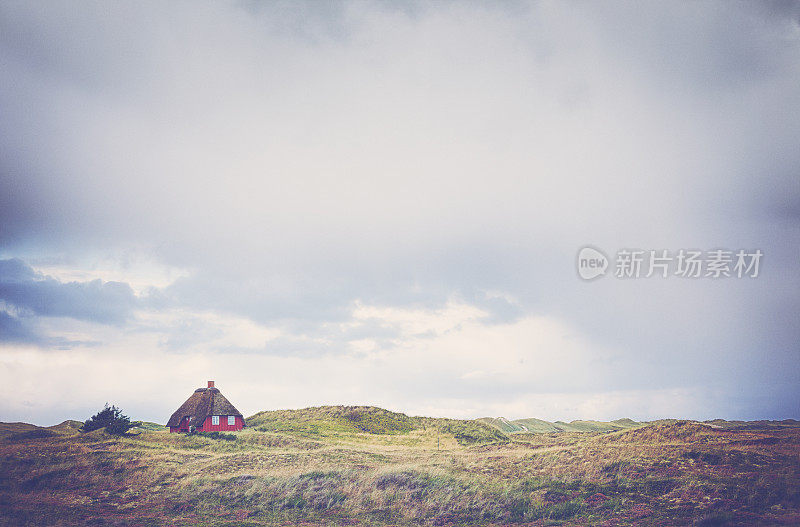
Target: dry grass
{"x":666,"y":474}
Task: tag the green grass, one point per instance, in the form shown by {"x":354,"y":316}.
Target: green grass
{"x":146,"y":425}
{"x":536,"y":426}
{"x":358,"y":423}
{"x":466,"y":433}
{"x":218,"y":435}
{"x":332,"y":421}
{"x":502,"y":424}
{"x":586,"y":426}
{"x":539,"y":426}
{"x":36,"y":433}
{"x":8,"y":429}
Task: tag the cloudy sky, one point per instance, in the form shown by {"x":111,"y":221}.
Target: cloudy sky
{"x":381,"y":203}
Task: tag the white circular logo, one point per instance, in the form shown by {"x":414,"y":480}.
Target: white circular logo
{"x":591,"y":263}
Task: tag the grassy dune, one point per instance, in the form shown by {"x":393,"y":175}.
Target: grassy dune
{"x":538,"y":426}
{"x":368,"y":466}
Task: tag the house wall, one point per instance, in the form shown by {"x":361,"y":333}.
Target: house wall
{"x":182,"y":427}
{"x":223,"y":424}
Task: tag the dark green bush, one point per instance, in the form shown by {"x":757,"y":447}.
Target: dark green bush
{"x":110,"y":418}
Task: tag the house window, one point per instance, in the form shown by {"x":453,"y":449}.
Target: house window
{"x":231,"y":420}
{"x":214,"y":419}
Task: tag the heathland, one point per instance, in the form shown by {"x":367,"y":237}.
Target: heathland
{"x":369,"y":466}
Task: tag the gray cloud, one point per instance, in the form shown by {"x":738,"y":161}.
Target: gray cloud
{"x":25,"y":330}
{"x":24,"y":290}
{"x":295,"y":158}
{"x":12,"y":329}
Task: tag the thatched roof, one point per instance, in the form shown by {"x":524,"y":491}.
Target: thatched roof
{"x":202,"y":403}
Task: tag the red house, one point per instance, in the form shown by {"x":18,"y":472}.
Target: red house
{"x":207,"y":410}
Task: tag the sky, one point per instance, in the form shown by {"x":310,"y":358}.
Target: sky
{"x":382,"y":203}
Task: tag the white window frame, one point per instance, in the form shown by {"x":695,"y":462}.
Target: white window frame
{"x":231,"y":420}
{"x":214,"y":420}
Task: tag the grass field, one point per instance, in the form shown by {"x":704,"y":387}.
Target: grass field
{"x":368,"y":466}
